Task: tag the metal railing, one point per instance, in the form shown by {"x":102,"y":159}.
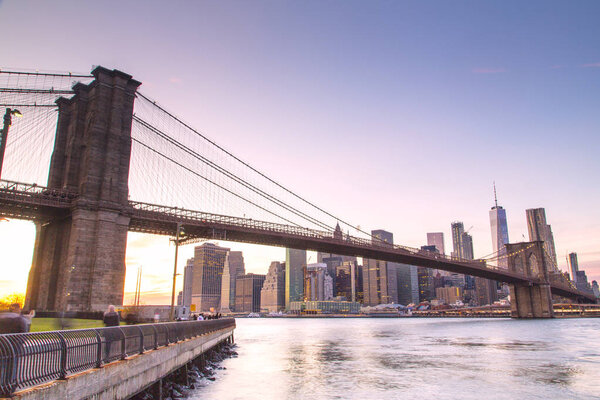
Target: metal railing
{"x":28,"y":359}
{"x":35,"y":194}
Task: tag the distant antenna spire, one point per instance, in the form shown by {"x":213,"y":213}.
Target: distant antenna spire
{"x":495,"y":197}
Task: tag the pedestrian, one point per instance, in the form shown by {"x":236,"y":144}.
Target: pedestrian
{"x":12,"y":321}
{"x":111,"y":319}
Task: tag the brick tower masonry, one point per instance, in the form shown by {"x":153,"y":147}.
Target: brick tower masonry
{"x":79,"y":261}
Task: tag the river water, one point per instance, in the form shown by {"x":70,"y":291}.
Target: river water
{"x":411,"y":358}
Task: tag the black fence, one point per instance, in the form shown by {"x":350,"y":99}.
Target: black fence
{"x":28,"y":359}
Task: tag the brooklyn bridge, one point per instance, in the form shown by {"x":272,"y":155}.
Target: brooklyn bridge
{"x":119,"y":162}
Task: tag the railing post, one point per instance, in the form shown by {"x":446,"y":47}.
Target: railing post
{"x":155,"y":337}
{"x":63,"y":356}
{"x":141,"y":340}
{"x":99,"y":352}
{"x":123,"y":355}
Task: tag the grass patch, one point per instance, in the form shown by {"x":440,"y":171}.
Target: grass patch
{"x":53,"y":324}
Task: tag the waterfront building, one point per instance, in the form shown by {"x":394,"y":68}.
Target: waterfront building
{"x":324,"y":307}
{"x":499,"y":226}
{"x":295,"y":262}
{"x":436,"y":239}
{"x":595,"y":289}
{"x":247,"y":292}
{"x":486,"y":291}
{"x":539,"y":230}
{"x":379,"y":277}
{"x":209,"y":261}
{"x":188,"y":279}
{"x":573,"y":266}
{"x":272,"y":294}
{"x":449,"y":295}
{"x":408,"y":284}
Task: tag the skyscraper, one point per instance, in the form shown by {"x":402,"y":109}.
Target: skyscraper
{"x":235,"y":262}
{"x":408,"y":284}
{"x":295,"y":262}
{"x":247,"y":292}
{"x":332,"y":264}
{"x":486,"y":291}
{"x":540,"y":230}
{"x":499,"y":231}
{"x":467,"y":246}
{"x":348,"y":281}
{"x":272,"y":294}
{"x":209,"y":261}
{"x":457,"y":239}
{"x":225,"y":306}
{"x":188,"y":278}
{"x":462,"y":246}
{"x":379,"y":277}
{"x":436,"y":239}
{"x":573,"y":266}
{"x":425,"y":276}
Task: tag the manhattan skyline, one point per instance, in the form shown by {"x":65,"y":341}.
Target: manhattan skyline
{"x":391,"y":133}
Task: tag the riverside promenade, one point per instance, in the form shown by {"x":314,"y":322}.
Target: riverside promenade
{"x":104,"y":363}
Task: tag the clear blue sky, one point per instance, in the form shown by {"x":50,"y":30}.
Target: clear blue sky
{"x":408,"y":111}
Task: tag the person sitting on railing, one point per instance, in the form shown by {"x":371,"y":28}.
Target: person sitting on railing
{"x":12,"y":321}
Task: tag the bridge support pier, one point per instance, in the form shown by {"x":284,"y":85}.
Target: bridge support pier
{"x":79,"y":260}
{"x":534,"y":299}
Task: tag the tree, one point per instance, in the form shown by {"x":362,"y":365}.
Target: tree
{"x":12,"y":298}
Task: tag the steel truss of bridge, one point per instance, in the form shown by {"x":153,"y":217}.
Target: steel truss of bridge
{"x":33,"y":202}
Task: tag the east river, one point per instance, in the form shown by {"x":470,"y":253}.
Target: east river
{"x":410,"y":358}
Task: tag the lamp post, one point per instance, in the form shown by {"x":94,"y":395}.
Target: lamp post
{"x":4,"y":133}
{"x":177,"y":240}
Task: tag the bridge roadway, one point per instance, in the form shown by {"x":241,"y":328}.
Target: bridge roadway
{"x":33,"y":202}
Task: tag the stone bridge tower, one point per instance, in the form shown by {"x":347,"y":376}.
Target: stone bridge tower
{"x":533,"y":300}
{"x":79,"y":260}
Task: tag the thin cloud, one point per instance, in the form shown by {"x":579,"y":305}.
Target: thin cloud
{"x":488,"y":70}
{"x":175,"y":80}
{"x":592,"y":65}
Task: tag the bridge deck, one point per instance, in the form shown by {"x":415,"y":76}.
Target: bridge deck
{"x":18,"y":200}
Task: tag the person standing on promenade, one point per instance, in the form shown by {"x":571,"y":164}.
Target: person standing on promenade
{"x":28,"y":318}
{"x":111,"y":319}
